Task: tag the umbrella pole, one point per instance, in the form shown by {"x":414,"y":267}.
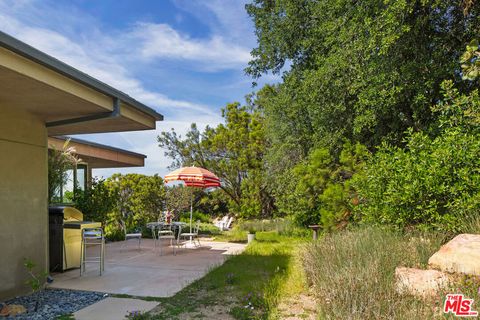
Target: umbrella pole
{"x":191,"y":213}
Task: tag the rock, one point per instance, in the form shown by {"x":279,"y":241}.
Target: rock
{"x":459,"y":255}
{"x":54,"y":302}
{"x":4,"y":311}
{"x":420,"y":282}
{"x":16,"y":309}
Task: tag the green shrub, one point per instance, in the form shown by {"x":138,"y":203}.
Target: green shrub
{"x":139,"y":199}
{"x":113,"y":231}
{"x":263,"y":225}
{"x":282,"y":226}
{"x":209,"y":229}
{"x":352,"y":273}
{"x":196,"y":216}
{"x":96,"y":202}
{"x":431,"y":183}
{"x":318,"y":189}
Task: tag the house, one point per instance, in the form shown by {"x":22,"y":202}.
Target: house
{"x":41,"y":97}
{"x":95,"y":156}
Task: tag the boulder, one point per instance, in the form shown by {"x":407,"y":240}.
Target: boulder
{"x":419,"y":282}
{"x":459,"y":255}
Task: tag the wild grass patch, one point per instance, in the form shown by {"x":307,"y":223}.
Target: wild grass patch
{"x":280,"y":226}
{"x":352,"y":273}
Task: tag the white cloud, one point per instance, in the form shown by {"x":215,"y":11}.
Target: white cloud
{"x":215,"y":53}
{"x":100,"y":64}
{"x":226,"y":18}
{"x":112,"y":62}
{"x":144,"y":142}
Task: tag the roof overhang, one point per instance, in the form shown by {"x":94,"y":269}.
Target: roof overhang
{"x":66,"y":99}
{"x":98,"y":155}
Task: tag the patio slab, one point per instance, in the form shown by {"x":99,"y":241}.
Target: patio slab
{"x":144,"y":272}
{"x":113,"y":309}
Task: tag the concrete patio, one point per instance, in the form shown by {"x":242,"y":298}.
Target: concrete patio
{"x":144,"y":272}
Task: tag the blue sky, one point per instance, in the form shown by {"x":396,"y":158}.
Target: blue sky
{"x":184,"y":58}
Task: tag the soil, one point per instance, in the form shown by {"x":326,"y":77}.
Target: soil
{"x":302,"y":306}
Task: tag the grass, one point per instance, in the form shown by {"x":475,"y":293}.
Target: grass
{"x":246,"y":286}
{"x":353,"y":274}
{"x":280,"y":226}
{"x":471,"y":223}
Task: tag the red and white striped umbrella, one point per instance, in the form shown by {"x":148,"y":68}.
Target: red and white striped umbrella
{"x":194,"y":177}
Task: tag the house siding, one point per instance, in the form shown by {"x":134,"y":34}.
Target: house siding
{"x":23,"y":198}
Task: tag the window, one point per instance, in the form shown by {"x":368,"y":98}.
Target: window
{"x":80,"y":176}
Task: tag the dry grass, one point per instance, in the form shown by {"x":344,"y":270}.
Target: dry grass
{"x":352,"y":273}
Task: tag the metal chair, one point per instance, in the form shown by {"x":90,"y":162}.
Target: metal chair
{"x":131,"y":236}
{"x":191,"y":235}
{"x":92,"y":237}
{"x":166,"y":232}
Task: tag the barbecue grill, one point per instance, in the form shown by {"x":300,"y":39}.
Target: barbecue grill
{"x":65,"y":229}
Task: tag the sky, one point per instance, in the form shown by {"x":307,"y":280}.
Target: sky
{"x":183,"y":58}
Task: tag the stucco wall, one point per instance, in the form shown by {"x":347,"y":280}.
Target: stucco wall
{"x":23,"y":198}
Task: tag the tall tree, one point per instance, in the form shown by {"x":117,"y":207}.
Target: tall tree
{"x":233,"y":151}
{"x":138,"y":198}
{"x":358,"y":71}
{"x":365,"y":71}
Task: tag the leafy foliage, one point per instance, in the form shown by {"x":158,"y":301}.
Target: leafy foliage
{"x":369,"y":73}
{"x":358,"y":71}
{"x":178,"y":199}
{"x":211,"y":202}
{"x":59,"y":161}
{"x":470,"y":61}
{"x":196,"y":216}
{"x":96,"y":201}
{"x":37,"y":281}
{"x":320,"y":189}
{"x":132,"y":199}
{"x":233,"y":151}
{"x":139,"y":198}
{"x":214,"y":203}
{"x":434,"y":182}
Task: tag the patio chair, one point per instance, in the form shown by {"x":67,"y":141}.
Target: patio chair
{"x":191,"y":235}
{"x":221,"y":223}
{"x":166,"y":233}
{"x":131,"y":236}
{"x":228,"y":224}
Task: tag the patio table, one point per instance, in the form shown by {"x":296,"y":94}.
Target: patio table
{"x":155,"y":226}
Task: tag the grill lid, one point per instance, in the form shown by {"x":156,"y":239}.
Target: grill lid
{"x":69,"y":213}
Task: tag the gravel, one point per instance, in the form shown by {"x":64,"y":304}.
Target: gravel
{"x":54,"y":302}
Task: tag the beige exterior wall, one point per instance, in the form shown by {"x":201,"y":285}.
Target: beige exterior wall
{"x":23,"y":198}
